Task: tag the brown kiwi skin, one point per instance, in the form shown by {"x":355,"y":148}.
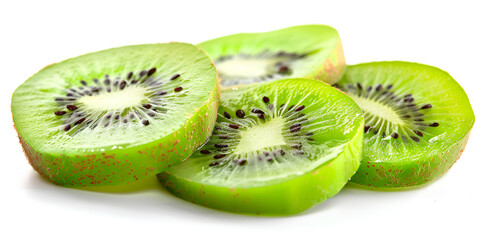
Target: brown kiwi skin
{"x":89,"y":171}
{"x":387,"y":177}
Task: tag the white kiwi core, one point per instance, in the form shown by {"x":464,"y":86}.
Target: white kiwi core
{"x":115,"y":100}
{"x":245,"y":68}
{"x":378,"y":110}
{"x":262,"y":136}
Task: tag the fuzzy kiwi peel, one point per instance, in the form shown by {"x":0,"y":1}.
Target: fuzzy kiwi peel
{"x":307,"y":51}
{"x":417,"y":122}
{"x":116,"y":116}
{"x":277,"y":148}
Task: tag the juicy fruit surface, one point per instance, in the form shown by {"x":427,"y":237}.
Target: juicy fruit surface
{"x":116,"y":115}
{"x":310,"y":51}
{"x":277,"y":148}
{"x":417,"y":121}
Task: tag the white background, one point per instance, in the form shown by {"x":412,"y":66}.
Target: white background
{"x":34,"y":34}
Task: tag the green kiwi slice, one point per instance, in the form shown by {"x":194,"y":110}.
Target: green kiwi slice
{"x":118,"y":115}
{"x":417,"y":122}
{"x":308,"y":51}
{"x":277,"y":148}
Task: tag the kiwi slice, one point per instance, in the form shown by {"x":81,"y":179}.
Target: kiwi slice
{"x":308,"y":51}
{"x":118,"y":115}
{"x":277,"y":148}
{"x":417,"y":122}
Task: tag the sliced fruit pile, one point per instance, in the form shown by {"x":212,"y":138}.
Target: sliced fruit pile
{"x":277,"y":142}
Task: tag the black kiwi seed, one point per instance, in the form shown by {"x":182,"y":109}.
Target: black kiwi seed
{"x":220,"y":145}
{"x":122,"y":85}
{"x":282,"y":152}
{"x":416,"y":139}
{"x":145,"y":122}
{"x":71,"y":107}
{"x":234,"y":126}
{"x":60,"y":113}
{"x":83,"y":83}
{"x":67,"y":127}
{"x":366,"y":128}
{"x":130,"y":75}
{"x":143,"y":73}
{"x":369,"y":88}
{"x":266,"y":99}
{"x":151,"y":71}
{"x":295,"y":128}
{"x":59,"y":99}
{"x":359,"y":86}
{"x":256,"y":110}
{"x":426,"y":106}
{"x":151,"y":114}
{"x":420,"y":134}
{"x":147,"y":105}
{"x":394,"y":135}
{"x":227,"y":115}
{"x":117,"y":117}
{"x":175,"y":76}
{"x":125,"y":120}
{"x":106,"y":124}
{"x":108,"y":116}
{"x":219,"y":156}
{"x":389,"y":87}
{"x":79,"y":121}
{"x":240,"y":162}
{"x":160,"y":93}
{"x":300,"y":108}
{"x":240,"y":113}
{"x":204,"y":151}
{"x":224,"y":137}
{"x":261,"y":116}
{"x":213,"y":164}
{"x":178,"y":89}
{"x":435,"y":124}
{"x":106,"y":81}
{"x":283,"y":69}
{"x":298,"y":146}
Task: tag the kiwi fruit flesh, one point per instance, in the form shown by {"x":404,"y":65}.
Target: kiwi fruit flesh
{"x":277,"y":148}
{"x":307,"y":51}
{"x":417,"y":122}
{"x":115,"y":116}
